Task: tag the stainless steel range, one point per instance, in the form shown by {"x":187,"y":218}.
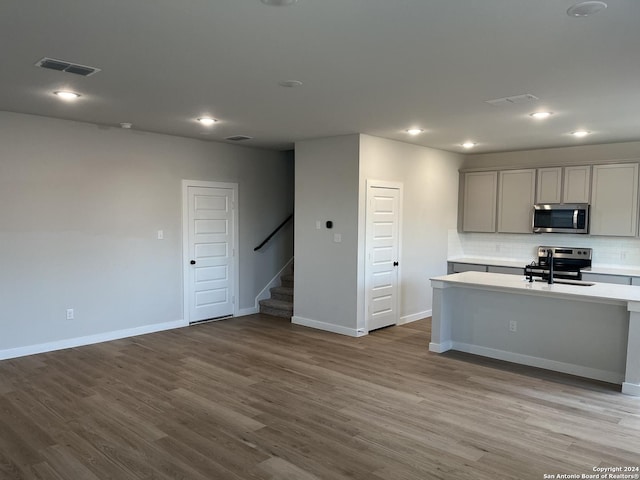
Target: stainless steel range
{"x":559,"y":262}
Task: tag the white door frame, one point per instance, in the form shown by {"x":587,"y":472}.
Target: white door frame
{"x":185,"y":242}
{"x":367,"y":247}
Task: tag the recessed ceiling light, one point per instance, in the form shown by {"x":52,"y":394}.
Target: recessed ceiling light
{"x":580,"y":133}
{"x":415,"y":131}
{"x":469,"y":144}
{"x":290,"y":83}
{"x":279,"y":3}
{"x":66,"y":95}
{"x":540,"y":115}
{"x":208,"y":121}
{"x":584,"y":9}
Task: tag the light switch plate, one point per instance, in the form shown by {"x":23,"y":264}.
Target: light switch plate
{"x":337,"y":237}
{"x":160,"y":234}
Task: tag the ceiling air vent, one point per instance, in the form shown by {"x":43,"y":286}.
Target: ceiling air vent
{"x":514,"y":100}
{"x":62,"y":66}
{"x":238,"y":138}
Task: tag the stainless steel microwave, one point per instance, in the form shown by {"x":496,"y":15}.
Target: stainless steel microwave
{"x":561,"y":218}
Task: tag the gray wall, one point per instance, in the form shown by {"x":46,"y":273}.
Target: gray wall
{"x":325,"y":272}
{"x":331,"y":177}
{"x":430,"y":205}
{"x":80,"y":207}
{"x":578,"y":155}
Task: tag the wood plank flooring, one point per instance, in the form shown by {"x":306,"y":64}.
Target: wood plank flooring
{"x":259,"y":398}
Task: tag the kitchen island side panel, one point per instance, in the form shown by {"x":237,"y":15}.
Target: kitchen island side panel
{"x":578,"y":337}
{"x":586,"y":334}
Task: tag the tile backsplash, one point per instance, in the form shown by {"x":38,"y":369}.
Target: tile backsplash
{"x":618,"y":252}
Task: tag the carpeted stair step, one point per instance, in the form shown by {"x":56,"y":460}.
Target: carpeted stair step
{"x":282,"y":293}
{"x":287,"y":280}
{"x":277,"y":308}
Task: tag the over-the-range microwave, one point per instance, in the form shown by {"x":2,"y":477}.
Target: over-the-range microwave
{"x":561,"y":218}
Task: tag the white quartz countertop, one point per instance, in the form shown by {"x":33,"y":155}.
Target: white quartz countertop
{"x":601,"y":292}
{"x":497,"y":262}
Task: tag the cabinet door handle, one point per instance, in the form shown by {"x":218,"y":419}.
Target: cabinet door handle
{"x":395,"y":264}
{"x":192,"y":262}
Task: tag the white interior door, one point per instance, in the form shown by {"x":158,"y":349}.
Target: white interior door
{"x":382,"y":264}
{"x":211,"y":269}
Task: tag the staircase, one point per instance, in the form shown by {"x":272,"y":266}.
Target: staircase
{"x":281,"y":302}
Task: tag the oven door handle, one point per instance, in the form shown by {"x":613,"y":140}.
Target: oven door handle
{"x":575,"y":219}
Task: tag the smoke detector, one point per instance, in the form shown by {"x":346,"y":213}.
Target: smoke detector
{"x":279,"y":3}
{"x":238,"y":138}
{"x":290,"y":83}
{"x":584,"y":9}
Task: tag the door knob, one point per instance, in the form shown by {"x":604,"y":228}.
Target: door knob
{"x":192,"y":262}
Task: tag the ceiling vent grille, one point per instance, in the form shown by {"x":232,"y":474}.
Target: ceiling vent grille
{"x":238,"y":138}
{"x":63,"y":66}
{"x":514,"y":100}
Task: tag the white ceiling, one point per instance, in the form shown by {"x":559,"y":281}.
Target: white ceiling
{"x":370,"y":66}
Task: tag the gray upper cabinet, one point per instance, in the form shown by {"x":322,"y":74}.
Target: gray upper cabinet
{"x":614,"y":200}
{"x":503,"y":200}
{"x":564,"y":185}
{"x":577,"y":184}
{"x":479,"y":202}
{"x":515,"y":200}
{"x":549,"y":185}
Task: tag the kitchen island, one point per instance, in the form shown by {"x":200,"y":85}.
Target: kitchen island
{"x":587,"y":329}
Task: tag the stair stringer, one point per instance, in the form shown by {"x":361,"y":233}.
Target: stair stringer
{"x":275,"y":282}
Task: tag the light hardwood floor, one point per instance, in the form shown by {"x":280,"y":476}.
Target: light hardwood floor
{"x":259,"y":398}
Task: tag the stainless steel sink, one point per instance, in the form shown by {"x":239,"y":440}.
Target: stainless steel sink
{"x":577,"y":283}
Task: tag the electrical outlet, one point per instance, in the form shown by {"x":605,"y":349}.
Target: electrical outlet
{"x":318,"y":224}
{"x":513,"y":326}
{"x":623,"y":255}
{"x":70,"y":314}
{"x":160,"y":235}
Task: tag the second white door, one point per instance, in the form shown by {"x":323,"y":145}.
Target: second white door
{"x":382,"y":239}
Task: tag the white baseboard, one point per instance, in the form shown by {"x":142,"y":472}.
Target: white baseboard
{"x":274,"y":282}
{"x":570,"y":368}
{"x":440,"y":347}
{"x":631,"y":389}
{"x":247,"y":311}
{"x":414,"y":317}
{"x":89,"y":339}
{"x":328,"y":327}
